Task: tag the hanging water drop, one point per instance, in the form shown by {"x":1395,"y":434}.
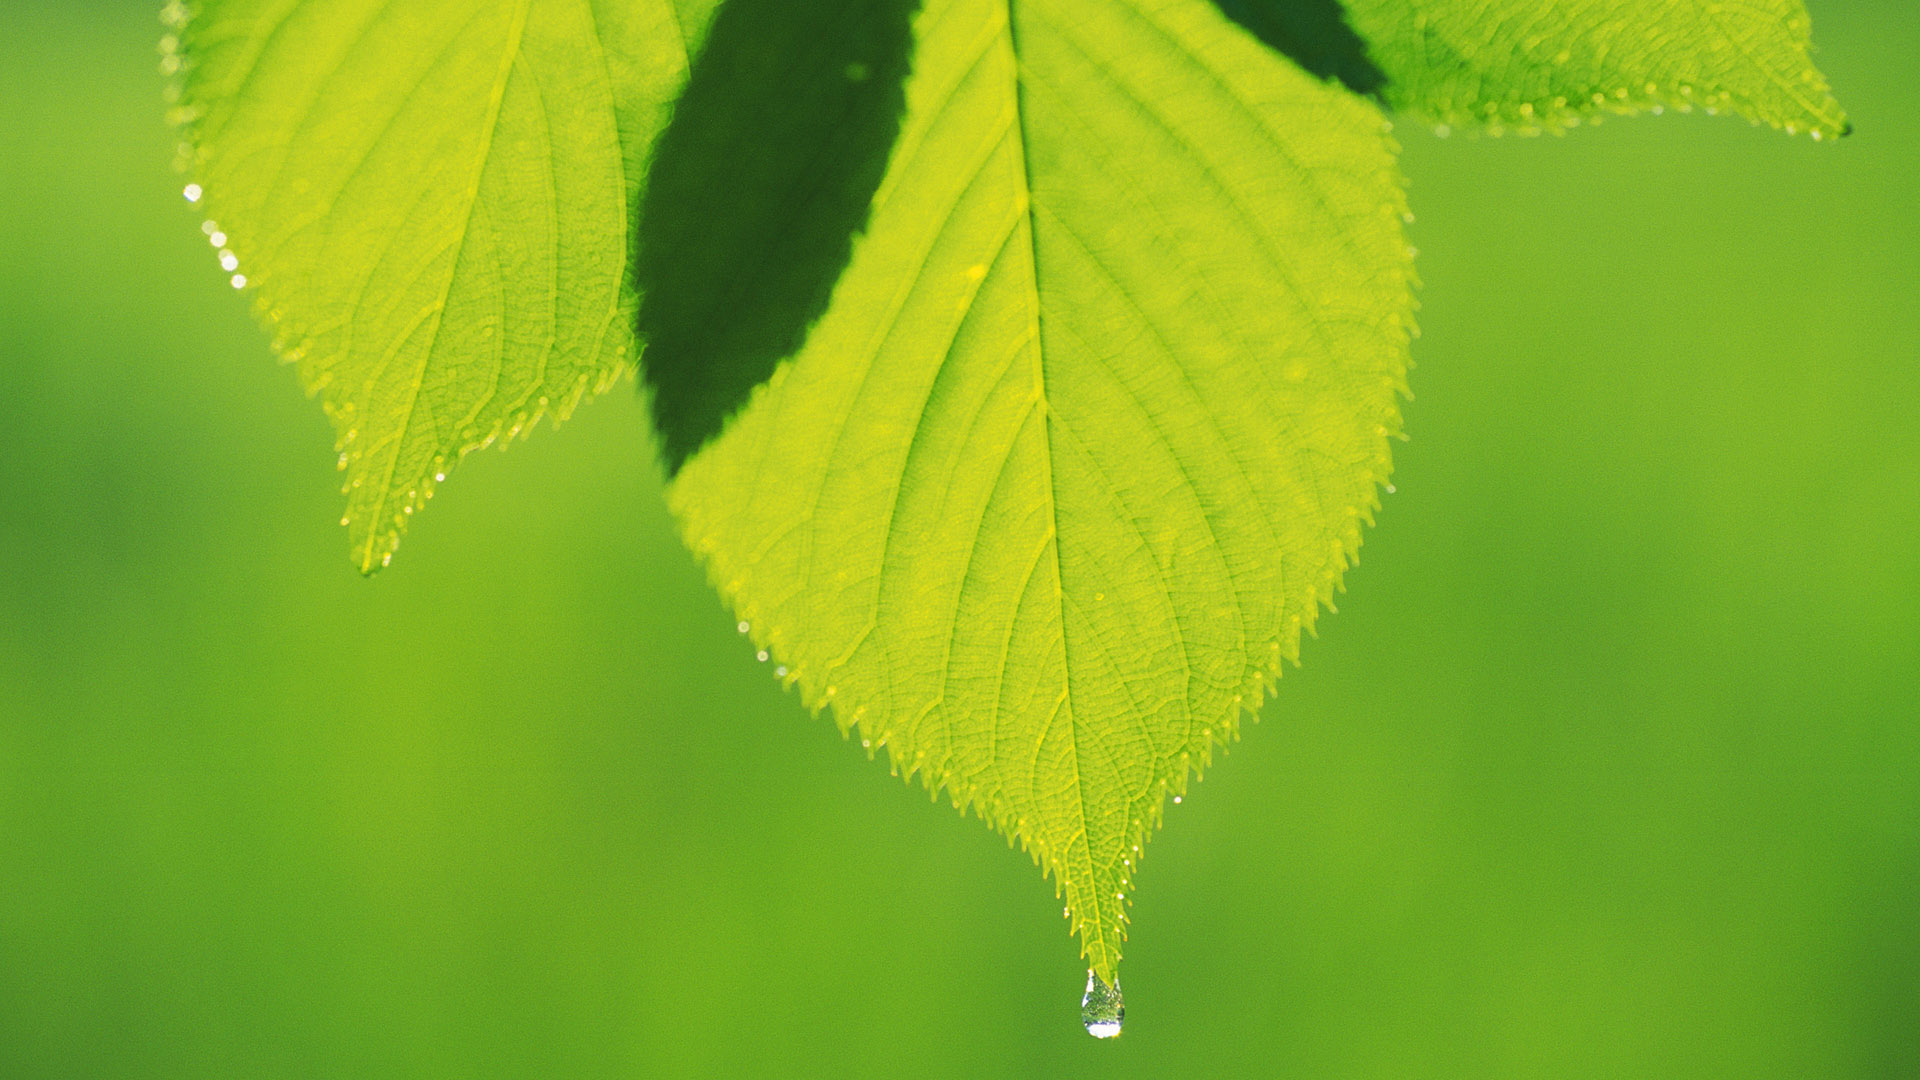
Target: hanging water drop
{"x":1102,"y":1008}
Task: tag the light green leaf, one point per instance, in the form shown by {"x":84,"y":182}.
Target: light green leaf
{"x":1529,"y":64}
{"x":431,"y":200}
{"x":1091,"y":424}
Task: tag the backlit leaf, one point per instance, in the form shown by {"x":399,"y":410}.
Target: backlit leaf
{"x":432,"y":202}
{"x":1090,"y":427}
{"x":1029,"y":366}
{"x":1528,"y":64}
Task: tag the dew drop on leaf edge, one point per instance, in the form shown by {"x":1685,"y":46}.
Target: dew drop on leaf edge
{"x":1102,"y":1009}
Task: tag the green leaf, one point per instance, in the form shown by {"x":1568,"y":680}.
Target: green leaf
{"x":1313,"y":34}
{"x":431,"y":200}
{"x":1530,"y":65}
{"x":1090,"y":427}
{"x":756,"y":190}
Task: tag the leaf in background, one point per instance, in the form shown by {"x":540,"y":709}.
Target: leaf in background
{"x":1090,"y":427}
{"x":1313,"y":34}
{"x":1530,"y":65}
{"x":432,"y":200}
{"x":756,"y":190}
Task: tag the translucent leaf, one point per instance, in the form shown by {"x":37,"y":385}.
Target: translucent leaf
{"x":431,"y":201}
{"x":1090,"y":426}
{"x":1527,"y":64}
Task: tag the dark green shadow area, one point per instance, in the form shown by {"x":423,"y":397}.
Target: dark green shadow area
{"x":757,"y":190}
{"x":1313,"y":34}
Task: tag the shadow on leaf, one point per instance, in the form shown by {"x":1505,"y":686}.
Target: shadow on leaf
{"x":758,"y":188}
{"x":1313,"y":34}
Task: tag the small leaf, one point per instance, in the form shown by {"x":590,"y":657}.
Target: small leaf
{"x":1090,"y":426}
{"x":431,"y":200}
{"x":1532,"y":65}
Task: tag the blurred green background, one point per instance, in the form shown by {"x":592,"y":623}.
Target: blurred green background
{"x":1609,"y":767}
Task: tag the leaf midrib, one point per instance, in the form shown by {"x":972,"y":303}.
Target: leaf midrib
{"x":1096,"y":942}
{"x":497,"y":96}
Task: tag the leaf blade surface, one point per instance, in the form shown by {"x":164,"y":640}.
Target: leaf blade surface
{"x":1089,"y":428}
{"x":431,"y":202}
{"x":1526,"y":64}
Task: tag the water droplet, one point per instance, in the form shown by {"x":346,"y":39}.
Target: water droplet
{"x":1176,"y":800}
{"x":780,"y":671}
{"x":761,"y":656}
{"x":744,"y":626}
{"x":239,"y":281}
{"x":193,"y":192}
{"x":229,"y":261}
{"x":439,"y":477}
{"x":217,"y":238}
{"x":1102,"y":1008}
